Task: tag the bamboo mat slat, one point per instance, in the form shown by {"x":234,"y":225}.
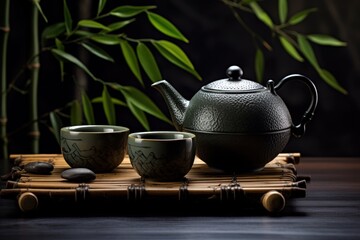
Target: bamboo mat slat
{"x":272,"y":186}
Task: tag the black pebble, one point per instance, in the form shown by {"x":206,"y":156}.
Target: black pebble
{"x":78,"y":175}
{"x":39,"y":167}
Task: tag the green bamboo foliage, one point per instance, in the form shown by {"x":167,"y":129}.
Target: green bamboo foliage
{"x":87,"y":108}
{"x":109,"y":107}
{"x":175,"y":55}
{"x":131,"y":59}
{"x":138,"y":55}
{"x":76,"y":113}
{"x":148,"y":62}
{"x":4,"y":34}
{"x":56,"y":125}
{"x":297,"y":45}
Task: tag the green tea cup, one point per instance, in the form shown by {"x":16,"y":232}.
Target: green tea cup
{"x":162,"y":155}
{"x":100,"y":148}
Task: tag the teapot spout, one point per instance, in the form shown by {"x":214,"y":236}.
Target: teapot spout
{"x":176,"y":103}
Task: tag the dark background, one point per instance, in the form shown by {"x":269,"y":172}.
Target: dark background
{"x":217,"y":41}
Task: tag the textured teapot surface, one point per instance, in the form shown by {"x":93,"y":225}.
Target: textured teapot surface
{"x":240,"y":125}
{"x":233,"y":84}
{"x":236,"y":105}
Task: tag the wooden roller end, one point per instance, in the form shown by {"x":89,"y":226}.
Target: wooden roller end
{"x":273,"y":201}
{"x":28,"y":202}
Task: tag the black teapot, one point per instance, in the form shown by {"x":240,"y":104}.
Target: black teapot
{"x":239,"y":124}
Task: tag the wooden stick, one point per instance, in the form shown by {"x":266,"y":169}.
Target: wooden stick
{"x":273,"y":201}
{"x":28,"y":202}
{"x":192,"y":178}
{"x":122,"y":191}
{"x":58,"y":155}
{"x":102,"y":185}
{"x":288,"y":157}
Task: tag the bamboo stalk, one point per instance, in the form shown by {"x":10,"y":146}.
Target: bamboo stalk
{"x":14,"y":156}
{"x":122,"y":191}
{"x":285,"y":157}
{"x":28,"y":202}
{"x":112,"y":185}
{"x":137,"y":180}
{"x":34,"y":67}
{"x":4,"y":35}
{"x":273,"y":201}
{"x":58,"y":160}
{"x":130,"y":173}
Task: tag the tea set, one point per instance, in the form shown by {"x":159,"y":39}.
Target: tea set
{"x":232,"y":124}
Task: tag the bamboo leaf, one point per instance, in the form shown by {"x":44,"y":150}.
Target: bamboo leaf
{"x":56,"y":125}
{"x":37,"y":4}
{"x":84,"y":34}
{"x":73,"y":60}
{"x":140,"y":115}
{"x":259,"y":65}
{"x":148,"y":62}
{"x":87,"y":108}
{"x":118,"y":102}
{"x":92,"y":24}
{"x":100,"y":6}
{"x":114,"y":100}
{"x":129,"y":11}
{"x":261,"y":14}
{"x":131,"y":59}
{"x":165,"y":26}
{"x":141,"y":101}
{"x":330,"y":79}
{"x":106,"y":39}
{"x":283,"y":9}
{"x":174,"y":51}
{"x":300,"y":16}
{"x":310,"y":56}
{"x":248,"y":1}
{"x":325,"y":40}
{"x":175,"y":55}
{"x":307,"y":50}
{"x":117,"y":25}
{"x":76,"y":113}
{"x":99,"y":52}
{"x":108,"y":106}
{"x":67,"y":18}
{"x":59,"y":45}
{"x":53,"y":31}
{"x":290,"y":49}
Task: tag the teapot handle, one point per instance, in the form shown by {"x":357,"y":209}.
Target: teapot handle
{"x":299,"y":130}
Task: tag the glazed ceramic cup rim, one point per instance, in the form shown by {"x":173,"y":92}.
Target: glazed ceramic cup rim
{"x":143,"y":136}
{"x":80,"y":129}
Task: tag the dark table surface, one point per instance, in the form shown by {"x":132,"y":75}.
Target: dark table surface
{"x":331,"y":210}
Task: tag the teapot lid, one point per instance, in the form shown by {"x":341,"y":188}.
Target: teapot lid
{"x":233,"y":84}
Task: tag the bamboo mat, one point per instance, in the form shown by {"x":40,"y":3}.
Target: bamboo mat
{"x":271,"y":187}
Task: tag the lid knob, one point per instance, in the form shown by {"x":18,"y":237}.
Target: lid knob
{"x":234,"y":73}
